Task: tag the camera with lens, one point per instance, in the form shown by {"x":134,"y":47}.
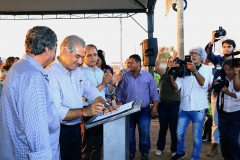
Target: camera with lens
{"x":221,"y":32}
{"x":235,"y":62}
{"x":181,"y":70}
{"x":220,"y":82}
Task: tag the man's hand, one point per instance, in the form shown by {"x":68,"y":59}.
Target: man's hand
{"x":191,"y":67}
{"x":93,"y":109}
{"x":154,"y":111}
{"x":213,"y":37}
{"x":116,"y":78}
{"x":111,"y":108}
{"x":107,"y":79}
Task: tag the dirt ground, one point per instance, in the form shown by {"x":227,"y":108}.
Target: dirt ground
{"x":166,"y":155}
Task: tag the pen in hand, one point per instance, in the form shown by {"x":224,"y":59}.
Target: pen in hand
{"x":104,"y":108}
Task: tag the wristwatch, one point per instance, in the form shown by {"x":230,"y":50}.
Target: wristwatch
{"x":195,"y":73}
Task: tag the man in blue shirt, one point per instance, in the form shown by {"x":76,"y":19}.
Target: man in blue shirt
{"x":138,"y":85}
{"x":93,"y":137}
{"x":68,"y":84}
{"x":228,"y":46}
{"x":29,"y":125}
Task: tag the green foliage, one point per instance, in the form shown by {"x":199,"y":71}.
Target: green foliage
{"x":165,"y":56}
{"x":172,"y":48}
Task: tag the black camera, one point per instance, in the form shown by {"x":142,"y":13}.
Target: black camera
{"x":221,"y":82}
{"x":182,"y":70}
{"x":221,"y":32}
{"x":235,"y":62}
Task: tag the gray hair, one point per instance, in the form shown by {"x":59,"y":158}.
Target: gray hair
{"x":38,"y":38}
{"x":70,"y":41}
{"x":201,"y":51}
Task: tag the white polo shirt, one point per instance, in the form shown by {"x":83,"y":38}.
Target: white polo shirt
{"x":231,"y":104}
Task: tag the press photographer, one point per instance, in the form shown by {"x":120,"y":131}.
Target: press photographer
{"x":236,"y":80}
{"x":228,"y":47}
{"x":220,"y":83}
{"x":229,"y":114}
{"x":193,"y":101}
{"x":235,"y":63}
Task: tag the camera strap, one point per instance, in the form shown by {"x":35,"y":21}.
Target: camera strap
{"x":222,"y":103}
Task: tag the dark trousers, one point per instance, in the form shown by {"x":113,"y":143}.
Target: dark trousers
{"x":229,"y":128}
{"x":70,"y":142}
{"x":168,"y":118}
{"x":208,"y":129}
{"x":92,"y":142}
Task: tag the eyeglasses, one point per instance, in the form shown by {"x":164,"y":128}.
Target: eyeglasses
{"x":194,"y":54}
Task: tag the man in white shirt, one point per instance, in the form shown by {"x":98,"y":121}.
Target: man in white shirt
{"x":67,"y":85}
{"x":228,"y":113}
{"x":193,"y":101}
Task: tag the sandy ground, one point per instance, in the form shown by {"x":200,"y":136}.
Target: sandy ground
{"x":166,"y":155}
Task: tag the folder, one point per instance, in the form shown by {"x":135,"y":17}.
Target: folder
{"x":123,"y":110}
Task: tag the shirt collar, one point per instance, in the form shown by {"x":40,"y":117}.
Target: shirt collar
{"x":86,"y":66}
{"x":140,"y":73}
{"x":62,"y":67}
{"x":33,"y":62}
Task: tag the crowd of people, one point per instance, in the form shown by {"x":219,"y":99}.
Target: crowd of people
{"x":46,"y":100}
{"x":207,"y":98}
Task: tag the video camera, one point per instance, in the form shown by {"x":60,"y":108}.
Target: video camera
{"x":221,"y":32}
{"x":181,"y":70}
{"x":220,"y":82}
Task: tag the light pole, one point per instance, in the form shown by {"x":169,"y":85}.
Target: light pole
{"x":180,"y":29}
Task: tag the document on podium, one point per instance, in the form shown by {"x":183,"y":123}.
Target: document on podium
{"x":123,"y":110}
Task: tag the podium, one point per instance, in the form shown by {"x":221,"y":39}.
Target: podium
{"x":115,"y":130}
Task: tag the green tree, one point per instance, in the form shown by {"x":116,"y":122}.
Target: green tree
{"x":172,"y":48}
{"x":165,"y":56}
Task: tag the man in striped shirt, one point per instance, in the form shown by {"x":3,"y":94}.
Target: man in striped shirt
{"x":29,"y":125}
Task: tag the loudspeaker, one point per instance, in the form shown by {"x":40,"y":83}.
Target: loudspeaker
{"x":149,"y":51}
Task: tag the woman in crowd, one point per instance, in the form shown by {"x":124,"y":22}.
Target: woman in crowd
{"x":168,"y":107}
{"x":101,"y":63}
{"x":5,"y":68}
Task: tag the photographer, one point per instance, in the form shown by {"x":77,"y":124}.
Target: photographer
{"x":193,"y":101}
{"x":228,"y":47}
{"x":229,"y":113}
{"x":168,"y":108}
